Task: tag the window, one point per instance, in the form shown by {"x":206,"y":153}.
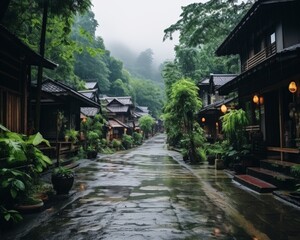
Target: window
{"x":273,"y":38}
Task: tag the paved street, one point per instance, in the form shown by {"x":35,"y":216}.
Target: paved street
{"x":149,"y":193}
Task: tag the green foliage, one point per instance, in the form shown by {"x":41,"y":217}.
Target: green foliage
{"x":9,"y":216}
{"x":72,"y":135}
{"x":137,"y":138}
{"x":171,"y":74}
{"x":144,"y":64}
{"x":116,"y":144}
{"x":63,"y":172}
{"x":295,"y":171}
{"x":202,"y":28}
{"x":147,"y":93}
{"x":127,"y":141}
{"x":193,"y":145}
{"x":20,"y":150}
{"x":233,"y":126}
{"x":92,"y":130}
{"x":182,"y":106}
{"x":14,"y":183}
{"x":180,"y":118}
{"x":146,"y":123}
{"x":202,"y":22}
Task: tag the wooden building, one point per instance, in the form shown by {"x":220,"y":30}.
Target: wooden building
{"x":120,"y":115}
{"x":16,"y":62}
{"x":59,"y":97}
{"x":209,"y":115}
{"x":267,"y":39}
{"x":92,"y":92}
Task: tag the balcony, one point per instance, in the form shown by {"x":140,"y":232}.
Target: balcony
{"x":259,"y":57}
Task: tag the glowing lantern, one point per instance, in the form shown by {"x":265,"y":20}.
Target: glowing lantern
{"x":255,"y":99}
{"x":292,"y":87}
{"x":223,"y":108}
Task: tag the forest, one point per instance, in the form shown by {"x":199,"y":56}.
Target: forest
{"x":70,"y":42}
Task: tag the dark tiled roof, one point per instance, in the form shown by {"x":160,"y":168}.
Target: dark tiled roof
{"x":221,"y":79}
{"x":88,"y":94}
{"x":263,"y":7}
{"x":204,"y":82}
{"x":90,"y":85}
{"x":59,"y":89}
{"x":124,"y":100}
{"x":89,"y":111}
{"x":114,"y":123}
{"x":142,"y":109}
{"x":217,"y":105}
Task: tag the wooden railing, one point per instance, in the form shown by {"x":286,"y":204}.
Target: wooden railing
{"x":259,"y":57}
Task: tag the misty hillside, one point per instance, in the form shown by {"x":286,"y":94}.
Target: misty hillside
{"x":140,"y":65}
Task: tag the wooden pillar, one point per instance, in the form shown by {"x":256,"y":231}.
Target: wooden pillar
{"x":280,"y":122}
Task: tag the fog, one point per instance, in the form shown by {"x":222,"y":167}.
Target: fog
{"x":138,"y":25}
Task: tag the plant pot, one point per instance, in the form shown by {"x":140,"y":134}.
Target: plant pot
{"x":219,"y":163}
{"x":62,"y":185}
{"x":31,"y":206}
{"x":92,"y":154}
{"x":211,"y":159}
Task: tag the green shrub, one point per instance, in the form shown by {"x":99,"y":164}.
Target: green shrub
{"x":295,"y":170}
{"x":127,"y":141}
{"x":137,"y":138}
{"x":116,"y":144}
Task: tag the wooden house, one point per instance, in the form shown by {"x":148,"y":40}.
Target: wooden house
{"x":59,"y":97}
{"x":267,"y":39}
{"x":209,"y":115}
{"x":16,"y":62}
{"x":92,"y":92}
{"x":119,"y":110}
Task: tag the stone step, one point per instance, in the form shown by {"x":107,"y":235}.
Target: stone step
{"x":255,"y":183}
{"x":278,"y":179}
{"x":283,"y":167}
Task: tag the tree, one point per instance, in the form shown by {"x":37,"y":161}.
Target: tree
{"x":202,"y":28}
{"x":61,"y":9}
{"x":148,"y":93}
{"x":180,"y":113}
{"x":91,"y":58}
{"x":146,"y":123}
{"x":144,"y":64}
{"x":171,"y":74}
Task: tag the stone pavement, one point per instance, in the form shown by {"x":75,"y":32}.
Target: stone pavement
{"x":150,"y":193}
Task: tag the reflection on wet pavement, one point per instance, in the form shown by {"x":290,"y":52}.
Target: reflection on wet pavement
{"x":146,"y":193}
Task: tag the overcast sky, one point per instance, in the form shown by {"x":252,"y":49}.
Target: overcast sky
{"x":139,"y":24}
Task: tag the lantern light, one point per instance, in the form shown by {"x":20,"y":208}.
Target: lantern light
{"x":292,"y":87}
{"x":203,"y":119}
{"x":255,"y":99}
{"x":261,"y":100}
{"x":223,"y":108}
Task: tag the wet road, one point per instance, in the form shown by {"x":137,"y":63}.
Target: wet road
{"x":149,"y":193}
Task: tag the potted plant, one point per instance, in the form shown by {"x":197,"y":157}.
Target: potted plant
{"x":62,"y":180}
{"x":233,"y":126}
{"x":92,"y":144}
{"x":92,"y":131}
{"x":29,"y":204}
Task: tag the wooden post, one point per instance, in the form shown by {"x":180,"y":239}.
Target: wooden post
{"x":280,"y":123}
